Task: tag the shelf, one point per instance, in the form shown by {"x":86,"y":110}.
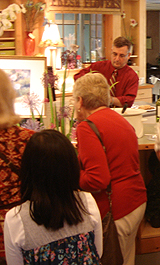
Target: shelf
{"x":7,"y":48}
{"x":9,"y":38}
{"x":9,"y":30}
{"x":134,"y":67}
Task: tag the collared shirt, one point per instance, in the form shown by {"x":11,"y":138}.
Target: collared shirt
{"x":127,"y":86}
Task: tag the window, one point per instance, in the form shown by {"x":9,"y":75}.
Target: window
{"x":84,"y":30}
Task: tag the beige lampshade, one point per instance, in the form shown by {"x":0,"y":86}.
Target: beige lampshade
{"x":51,"y":41}
{"x":51,"y":37}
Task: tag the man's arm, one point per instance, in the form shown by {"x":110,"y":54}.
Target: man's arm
{"x":82,"y":72}
{"x":126,"y":89}
{"x":115,"y":102}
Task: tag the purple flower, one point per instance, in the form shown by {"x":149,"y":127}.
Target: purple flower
{"x":32,"y":101}
{"x":64,"y":112}
{"x":49,"y":78}
{"x":69,"y":58}
{"x":34,"y":125}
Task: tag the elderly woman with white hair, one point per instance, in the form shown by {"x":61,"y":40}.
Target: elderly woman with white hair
{"x":12,"y":143}
{"x":120,"y":163}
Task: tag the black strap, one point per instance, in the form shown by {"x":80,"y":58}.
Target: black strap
{"x":13,"y":167}
{"x":94,"y":128}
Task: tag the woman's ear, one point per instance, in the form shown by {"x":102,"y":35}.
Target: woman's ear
{"x":80,"y":102}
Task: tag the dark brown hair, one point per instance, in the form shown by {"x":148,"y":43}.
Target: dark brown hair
{"x":121,"y":42}
{"x":50,"y":180}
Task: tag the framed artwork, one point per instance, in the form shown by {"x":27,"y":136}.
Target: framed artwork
{"x":26,"y":75}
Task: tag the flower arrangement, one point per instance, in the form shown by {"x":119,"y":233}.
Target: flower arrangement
{"x":8,"y":15}
{"x":69,"y":55}
{"x":34,"y":11}
{"x":61,"y":119}
{"x":133,"y":24}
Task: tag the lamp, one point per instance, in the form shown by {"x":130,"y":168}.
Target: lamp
{"x":51,"y":41}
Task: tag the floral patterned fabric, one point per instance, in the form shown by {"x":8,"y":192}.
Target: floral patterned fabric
{"x":74,"y":250}
{"x":12,"y":143}
{"x":2,"y":216}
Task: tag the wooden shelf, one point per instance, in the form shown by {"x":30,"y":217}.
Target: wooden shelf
{"x":7,"y":48}
{"x":135,"y":67}
{"x":4,"y":39}
{"x":9,"y":30}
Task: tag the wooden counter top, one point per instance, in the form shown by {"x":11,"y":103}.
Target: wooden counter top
{"x":145,"y":86}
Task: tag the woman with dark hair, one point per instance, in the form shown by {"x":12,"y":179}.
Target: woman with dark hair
{"x":56,"y":223}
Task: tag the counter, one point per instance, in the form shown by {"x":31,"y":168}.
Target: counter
{"x":149,"y":127}
{"x":146,"y":142}
{"x":148,"y":238}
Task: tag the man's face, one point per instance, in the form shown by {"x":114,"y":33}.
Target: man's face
{"x":119,"y":56}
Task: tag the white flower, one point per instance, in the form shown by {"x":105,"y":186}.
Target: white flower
{"x":14,"y":8}
{"x":12,"y":15}
{"x":133,"y":22}
{"x":74,"y":47}
{"x":1,"y":31}
{"x":5,"y":13}
{"x":123,"y":15}
{"x":9,"y":13}
{"x":23,"y":9}
{"x":6,"y":23}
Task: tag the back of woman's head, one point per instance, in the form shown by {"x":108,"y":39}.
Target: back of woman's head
{"x":7,"y":98}
{"x":94,"y":89}
{"x":49,"y":177}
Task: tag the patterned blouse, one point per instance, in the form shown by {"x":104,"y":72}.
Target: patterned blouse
{"x":29,"y":243}
{"x":12,"y":144}
{"x":73,"y":250}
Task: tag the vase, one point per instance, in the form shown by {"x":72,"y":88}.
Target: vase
{"x":79,"y":64}
{"x":29,"y":44}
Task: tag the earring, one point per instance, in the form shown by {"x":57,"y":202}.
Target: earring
{"x":78,"y":110}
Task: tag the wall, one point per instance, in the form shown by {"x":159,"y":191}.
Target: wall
{"x":133,"y":8}
{"x":153,"y":31}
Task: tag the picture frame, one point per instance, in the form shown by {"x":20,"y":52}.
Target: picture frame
{"x":26,"y":73}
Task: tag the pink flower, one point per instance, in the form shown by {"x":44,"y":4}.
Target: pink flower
{"x":52,"y":126}
{"x":46,"y":100}
{"x":78,"y":57}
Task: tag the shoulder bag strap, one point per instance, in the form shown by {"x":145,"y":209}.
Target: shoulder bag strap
{"x":94,"y":128}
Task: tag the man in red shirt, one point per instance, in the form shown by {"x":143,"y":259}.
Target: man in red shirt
{"x":125,"y":90}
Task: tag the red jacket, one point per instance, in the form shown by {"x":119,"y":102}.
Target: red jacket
{"x":127,"y":86}
{"x":121,"y":166}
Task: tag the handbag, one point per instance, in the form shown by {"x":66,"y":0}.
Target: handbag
{"x":112,"y":254}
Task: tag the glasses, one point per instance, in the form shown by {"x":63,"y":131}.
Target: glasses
{"x":120,"y":55}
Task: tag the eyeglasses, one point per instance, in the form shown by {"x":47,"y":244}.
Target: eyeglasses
{"x":120,"y":55}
